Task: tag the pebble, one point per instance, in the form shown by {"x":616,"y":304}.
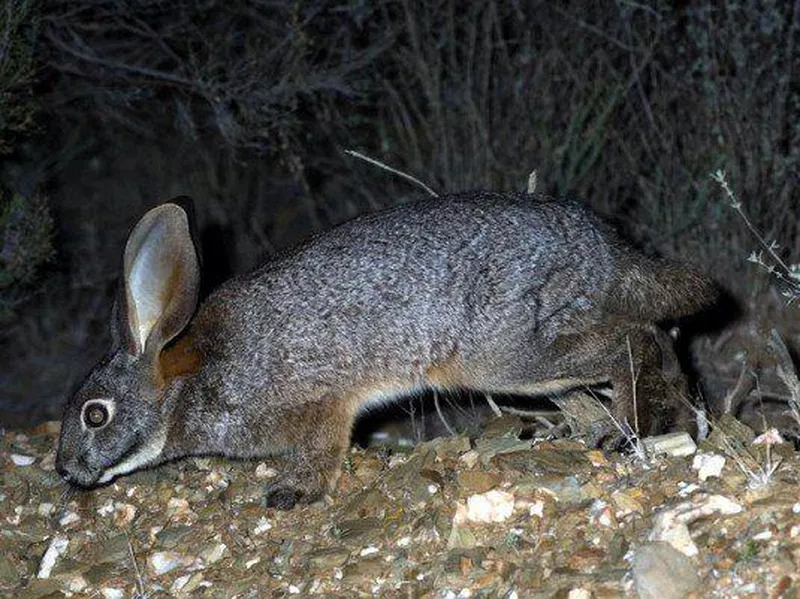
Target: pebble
{"x":672,"y":525}
{"x":162,"y":562}
{"x":708,"y":465}
{"x":56,"y":548}
{"x":262,"y":526}
{"x":661,"y":572}
{"x":22,"y":460}
{"x":492,"y":506}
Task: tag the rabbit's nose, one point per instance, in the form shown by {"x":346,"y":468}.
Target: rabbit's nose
{"x":63,"y":472}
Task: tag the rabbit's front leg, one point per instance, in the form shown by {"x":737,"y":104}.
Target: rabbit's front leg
{"x":320,"y":438}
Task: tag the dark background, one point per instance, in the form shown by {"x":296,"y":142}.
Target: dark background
{"x":107,"y":108}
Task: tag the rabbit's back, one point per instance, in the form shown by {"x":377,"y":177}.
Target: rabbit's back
{"x":403,"y":289}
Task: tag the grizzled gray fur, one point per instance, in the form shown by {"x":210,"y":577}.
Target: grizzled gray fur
{"x":501,"y":292}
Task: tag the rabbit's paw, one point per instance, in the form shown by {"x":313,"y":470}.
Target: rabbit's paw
{"x":606,"y":436}
{"x":281,"y":496}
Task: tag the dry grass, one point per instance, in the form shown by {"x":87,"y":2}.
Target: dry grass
{"x":248,"y":107}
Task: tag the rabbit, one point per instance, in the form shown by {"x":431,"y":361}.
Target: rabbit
{"x":497,"y":292}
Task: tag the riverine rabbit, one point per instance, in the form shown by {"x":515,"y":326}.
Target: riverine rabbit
{"x":501,"y":292}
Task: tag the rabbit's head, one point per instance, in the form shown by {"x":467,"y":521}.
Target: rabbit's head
{"x":117,"y":421}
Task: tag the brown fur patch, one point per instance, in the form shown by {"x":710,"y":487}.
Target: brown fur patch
{"x":180,"y":358}
{"x":445,"y":373}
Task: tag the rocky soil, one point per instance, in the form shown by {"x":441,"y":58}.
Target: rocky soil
{"x":493,"y":516}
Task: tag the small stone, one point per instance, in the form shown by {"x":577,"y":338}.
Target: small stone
{"x":213,"y":553}
{"x":597,"y":458}
{"x":470,"y":458}
{"x":107,"y":508}
{"x":8,"y":572}
{"x":56,"y":548}
{"x":672,"y":525}
{"x":124,"y":513}
{"x":492,"y":506}
{"x":76,"y":584}
{"x":162,"y":562}
{"x":764,"y":535}
{"x":471,"y":482}
{"x":112,"y":593}
{"x":263,"y":525}
{"x":332,"y":557}
{"x":22,"y":460}
{"x":661,"y":572}
{"x":708,"y":464}
{"x":628,"y":501}
{"x":676,"y":445}
{"x":178,"y":508}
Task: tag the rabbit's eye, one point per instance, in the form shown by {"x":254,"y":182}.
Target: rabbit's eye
{"x":95,"y":415}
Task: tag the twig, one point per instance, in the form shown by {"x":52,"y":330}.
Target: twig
{"x":495,"y":408}
{"x":139,"y":580}
{"x":532,"y":183}
{"x":393,"y":170}
{"x":441,"y":415}
{"x":744,"y":385}
{"x":634,"y":380}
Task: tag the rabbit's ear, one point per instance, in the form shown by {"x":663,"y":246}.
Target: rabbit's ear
{"x":161,"y":280}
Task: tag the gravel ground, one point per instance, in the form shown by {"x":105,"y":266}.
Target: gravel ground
{"x":493,"y":516}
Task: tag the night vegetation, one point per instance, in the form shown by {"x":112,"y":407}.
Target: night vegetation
{"x":109,"y":107}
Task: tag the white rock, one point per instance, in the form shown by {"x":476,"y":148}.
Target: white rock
{"x":536,"y":509}
{"x":708,"y":464}
{"x":263,"y":525}
{"x":470,"y":458}
{"x":45,"y":509}
{"x":179,"y":583}
{"x":112,"y":593}
{"x":22,"y":460}
{"x":56,"y":548}
{"x":672,"y":444}
{"x":69,"y":518}
{"x":672,"y":525}
{"x":162,"y":562}
{"x":492,"y":506}
{"x":76,"y":584}
{"x":579,"y":594}
{"x":368,"y":551}
{"x":660,"y":572}
{"x":214,"y":554}
{"x":107,"y":508}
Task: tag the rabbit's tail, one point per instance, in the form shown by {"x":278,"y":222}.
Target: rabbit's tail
{"x":657,"y":290}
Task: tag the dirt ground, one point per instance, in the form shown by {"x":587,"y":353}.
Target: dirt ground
{"x":492,"y":516}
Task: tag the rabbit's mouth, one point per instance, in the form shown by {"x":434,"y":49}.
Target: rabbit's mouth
{"x":140,"y":455}
{"x":78,"y":474}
